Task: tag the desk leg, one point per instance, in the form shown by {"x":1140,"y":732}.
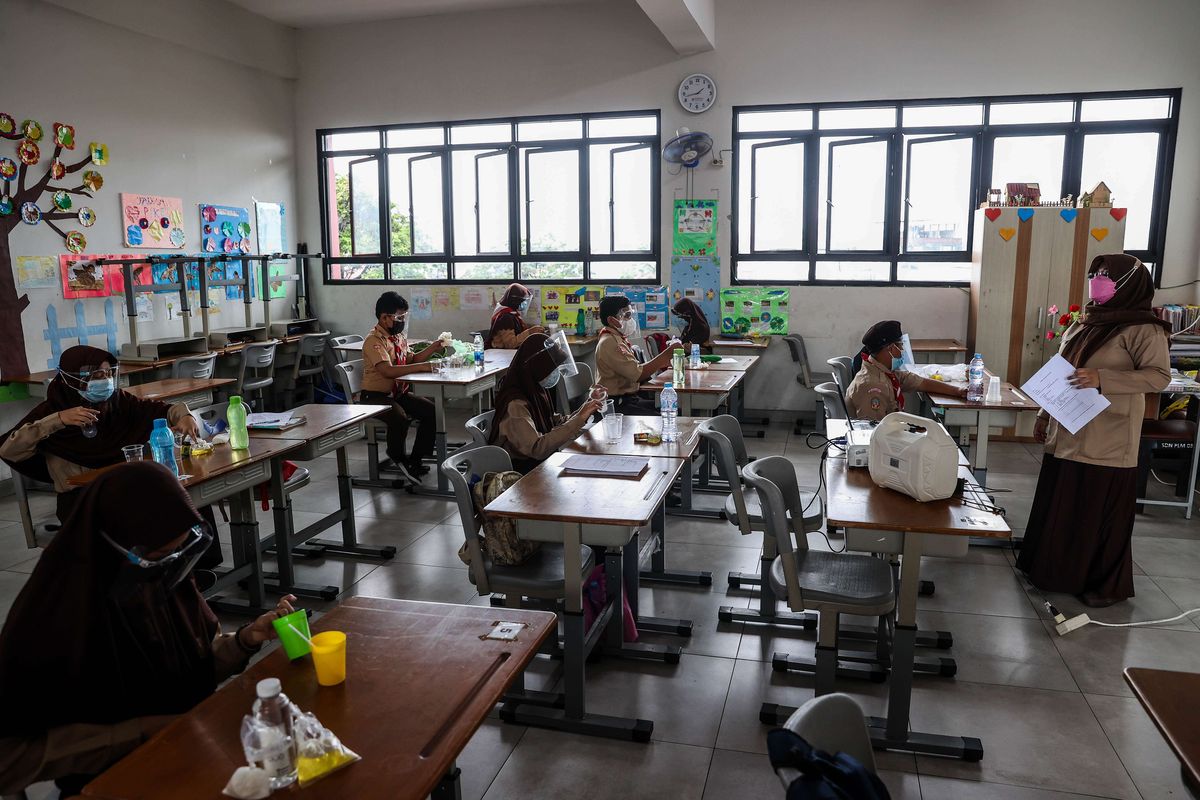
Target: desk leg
{"x":621,"y":583}
{"x":737,"y":402}
{"x":982,"y":429}
{"x":767,"y":612}
{"x":687,"y":489}
{"x":1192,"y":480}
{"x":634,"y":576}
{"x":284,"y":580}
{"x":247,"y":555}
{"x":658,"y":560}
{"x":349,"y":546}
{"x":450,"y":786}
{"x":439,"y":440}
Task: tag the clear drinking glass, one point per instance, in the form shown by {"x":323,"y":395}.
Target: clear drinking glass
{"x":613,"y":427}
{"x":133,"y":452}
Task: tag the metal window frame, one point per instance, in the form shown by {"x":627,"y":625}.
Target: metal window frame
{"x":527,"y":218}
{"x":479,"y":251}
{"x":888,"y":168}
{"x":754,"y":148}
{"x":906,"y":204}
{"x":612,"y":193}
{"x":379,"y":205}
{"x":412,"y":215}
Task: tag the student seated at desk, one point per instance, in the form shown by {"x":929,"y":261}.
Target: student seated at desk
{"x":110,"y":637}
{"x":387,"y":358}
{"x":525,"y":423}
{"x":879,"y":382}
{"x":695,"y":324}
{"x":509,"y":328}
{"x":617,"y":367}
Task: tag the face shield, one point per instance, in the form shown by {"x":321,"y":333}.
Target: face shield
{"x":94,"y":384}
{"x":169,"y":570}
{"x":554,"y":362}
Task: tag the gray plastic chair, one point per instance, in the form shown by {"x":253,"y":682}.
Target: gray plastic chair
{"x":830,"y":584}
{"x":651,"y":346}
{"x":795,"y":343}
{"x":833,"y":723}
{"x":310,"y":362}
{"x":348,"y":375}
{"x":196,"y":367}
{"x":843,"y":372}
{"x":831,"y":398}
{"x":480,"y":427}
{"x":256,"y":369}
{"x":570,"y":392}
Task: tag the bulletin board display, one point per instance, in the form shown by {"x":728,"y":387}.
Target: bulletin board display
{"x":224,"y":229}
{"x":153,"y":221}
{"x":699,"y":280}
{"x":695,"y":229}
{"x":754,"y":311}
{"x":650,"y":304}
{"x":562,"y":304}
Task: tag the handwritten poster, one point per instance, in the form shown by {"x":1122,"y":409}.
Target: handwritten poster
{"x":37,"y":272}
{"x":81,"y":276}
{"x":698,"y":280}
{"x":695,"y":231}
{"x":153,"y":221}
{"x":224,"y":229}
{"x":421,"y":303}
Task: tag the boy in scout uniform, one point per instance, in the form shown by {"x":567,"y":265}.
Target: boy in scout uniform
{"x":880,"y":383}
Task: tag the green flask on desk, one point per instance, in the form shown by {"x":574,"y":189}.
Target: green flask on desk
{"x":235,"y":416}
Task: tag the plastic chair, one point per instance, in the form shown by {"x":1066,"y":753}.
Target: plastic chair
{"x":652,"y":348}
{"x":843,"y":372}
{"x":833,"y":723}
{"x":480,"y":427}
{"x":256,"y":369}
{"x":195,"y":367}
{"x":832,"y":400}
{"x":830,"y":584}
{"x":570,"y":392}
{"x":310,"y":362}
{"x":795,"y":343}
{"x":348,"y":376}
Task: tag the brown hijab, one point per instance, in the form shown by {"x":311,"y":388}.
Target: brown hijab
{"x":696,"y":331}
{"x":70,"y":652}
{"x":507,"y":315}
{"x":530,"y":365}
{"x":124,"y":419}
{"x":1131,"y":305}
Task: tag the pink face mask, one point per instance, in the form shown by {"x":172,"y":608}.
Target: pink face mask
{"x":1101,"y":289}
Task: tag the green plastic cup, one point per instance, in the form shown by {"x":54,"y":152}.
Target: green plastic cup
{"x":293,"y":644}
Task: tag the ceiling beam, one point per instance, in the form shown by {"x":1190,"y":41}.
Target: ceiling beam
{"x":688,"y":25}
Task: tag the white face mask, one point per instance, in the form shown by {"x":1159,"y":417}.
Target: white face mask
{"x":629,"y":328}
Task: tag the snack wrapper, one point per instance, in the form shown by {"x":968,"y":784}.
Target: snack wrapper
{"x":318,"y":751}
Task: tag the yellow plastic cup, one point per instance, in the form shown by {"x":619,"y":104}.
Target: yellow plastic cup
{"x":329,"y":657}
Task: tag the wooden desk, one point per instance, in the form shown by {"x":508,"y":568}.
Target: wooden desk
{"x":602,"y":512}
{"x":927,"y":351}
{"x":730,"y":364}
{"x":702,"y":390}
{"x":739,"y":345}
{"x":983,"y":416}
{"x":194,"y":392}
{"x":420,"y":683}
{"x":1172,"y":699}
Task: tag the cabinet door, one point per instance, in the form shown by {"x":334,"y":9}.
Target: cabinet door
{"x":1066,"y":273}
{"x":1035,"y":254}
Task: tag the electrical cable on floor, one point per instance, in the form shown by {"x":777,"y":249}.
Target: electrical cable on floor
{"x":1065,"y":626}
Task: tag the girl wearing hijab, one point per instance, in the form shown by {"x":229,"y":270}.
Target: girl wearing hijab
{"x":695,"y":328}
{"x":509,"y":330}
{"x":110,"y":637}
{"x":1078,"y":539}
{"x":525,"y":423}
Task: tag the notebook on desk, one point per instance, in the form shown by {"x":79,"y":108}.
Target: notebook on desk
{"x":273,"y":422}
{"x":606,"y":466}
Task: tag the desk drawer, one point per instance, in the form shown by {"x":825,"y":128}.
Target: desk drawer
{"x":331,"y":441}
{"x":229,"y":484}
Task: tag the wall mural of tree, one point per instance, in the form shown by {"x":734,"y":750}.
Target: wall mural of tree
{"x":22,"y":202}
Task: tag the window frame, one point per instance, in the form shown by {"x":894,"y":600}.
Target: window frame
{"x":982,"y":136}
{"x":517,"y":219}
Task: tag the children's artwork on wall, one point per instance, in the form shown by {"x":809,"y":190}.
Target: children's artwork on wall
{"x":650,"y":304}
{"x":473,"y":298}
{"x":420,"y":303}
{"x":81,"y":276}
{"x":114,"y":276}
{"x":153,"y":221}
{"x":276,"y":286}
{"x":269,"y":218}
{"x":695,"y":231}
{"x":754,"y":311}
{"x":145,"y":307}
{"x":698,"y":280}
{"x":235,"y":270}
{"x":224,"y":229}
{"x":37,"y":272}
{"x":445,"y":298}
{"x":561,"y":304}
{"x":162,"y":276}
{"x":82,"y":332}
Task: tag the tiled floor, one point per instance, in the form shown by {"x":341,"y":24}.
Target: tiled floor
{"x":1055,"y":716}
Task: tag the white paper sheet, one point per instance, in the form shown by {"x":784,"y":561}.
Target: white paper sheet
{"x":1070,"y":407}
{"x":615,"y":466}
{"x":264,"y":419}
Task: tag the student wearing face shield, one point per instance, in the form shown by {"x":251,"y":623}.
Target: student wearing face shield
{"x":509,"y":329}
{"x":525,"y":423}
{"x":617,"y":367}
{"x":110,"y":637}
{"x":880,"y":381}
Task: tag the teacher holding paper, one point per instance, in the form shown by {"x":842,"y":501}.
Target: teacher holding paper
{"x":1081,"y":522}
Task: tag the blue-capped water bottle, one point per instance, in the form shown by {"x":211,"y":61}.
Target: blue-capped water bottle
{"x":668,"y":404}
{"x":162,"y":445}
{"x":975,"y":379}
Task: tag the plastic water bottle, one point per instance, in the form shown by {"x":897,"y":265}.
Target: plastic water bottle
{"x":678,"y":363}
{"x":477,"y":346}
{"x":271,"y":745}
{"x":235,"y":416}
{"x":694,"y":360}
{"x":975,"y":379}
{"x":162,"y":445}
{"x":668,"y":404}
{"x":580,"y":323}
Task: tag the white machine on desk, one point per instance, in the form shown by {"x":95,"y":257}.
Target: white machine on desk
{"x":915,"y":456}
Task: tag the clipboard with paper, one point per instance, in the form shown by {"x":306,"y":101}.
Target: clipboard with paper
{"x":1070,"y":407}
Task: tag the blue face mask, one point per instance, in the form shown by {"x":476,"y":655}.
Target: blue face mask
{"x":898,"y":363}
{"x":551,"y":380}
{"x":98,"y":391}
{"x":524,"y":306}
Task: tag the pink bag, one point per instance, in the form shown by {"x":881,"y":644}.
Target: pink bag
{"x":595,"y":595}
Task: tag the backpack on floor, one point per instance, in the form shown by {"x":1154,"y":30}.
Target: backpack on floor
{"x":822,"y":776}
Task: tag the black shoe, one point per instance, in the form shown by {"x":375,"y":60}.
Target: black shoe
{"x":417,"y":468}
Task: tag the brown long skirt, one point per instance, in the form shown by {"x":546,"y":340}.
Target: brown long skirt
{"x":1079,"y":537}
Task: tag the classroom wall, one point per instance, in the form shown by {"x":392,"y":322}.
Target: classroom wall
{"x":607,"y":56}
{"x":179,"y":121}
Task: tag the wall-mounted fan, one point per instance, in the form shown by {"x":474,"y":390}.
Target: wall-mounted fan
{"x":687,"y":148}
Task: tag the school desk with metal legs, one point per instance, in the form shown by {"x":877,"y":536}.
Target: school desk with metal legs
{"x":602,"y":512}
{"x":983,"y":416}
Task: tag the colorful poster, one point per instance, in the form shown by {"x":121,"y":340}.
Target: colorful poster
{"x":81,"y":276}
{"x":224,"y":229}
{"x":473,"y":298}
{"x":420,"y":303}
{"x":153,"y":221}
{"x":445,"y":298}
{"x":699,"y":280}
{"x":115,"y":276}
{"x":235,"y":271}
{"x":650,"y":304}
{"x":695,"y":231}
{"x":561,"y":304}
{"x":276,"y":272}
{"x":754,"y":311}
{"x":145,"y":307}
{"x":162,"y":276}
{"x":37,"y":272}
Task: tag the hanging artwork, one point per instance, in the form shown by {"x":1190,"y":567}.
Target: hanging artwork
{"x":153,"y":221}
{"x":163,"y":276}
{"x":37,"y":272}
{"x":698,"y":280}
{"x":695,"y":231}
{"x":269,"y":218}
{"x":114,"y":275}
{"x":145,"y":307}
{"x":420,"y":303}
{"x":235,"y":270}
{"x":445,"y":298}
{"x":276,"y":286}
{"x":561,"y":304}
{"x":754,"y":311}
{"x":650,"y":304}
{"x":81,"y":276}
{"x":224,"y":229}
{"x":473,"y":298}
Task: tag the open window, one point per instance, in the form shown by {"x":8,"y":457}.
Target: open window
{"x":856,"y":195}
{"x":415,"y":217}
{"x":937,"y":193}
{"x":551,"y":194}
{"x":777,"y":196}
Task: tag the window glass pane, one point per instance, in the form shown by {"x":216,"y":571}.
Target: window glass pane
{"x":623,"y":126}
{"x":551,"y":270}
{"x":485,"y":271}
{"x":1029,"y":159}
{"x":853,"y":271}
{"x":938,"y":176}
{"x":1126,"y":108}
{"x":795,"y":120}
{"x":856,"y":194}
{"x":418,"y":272}
{"x":550,"y":210}
{"x":1127,"y":163}
{"x":358,"y":140}
{"x":353,"y":184}
{"x":777,"y":203}
{"x":934,"y":271}
{"x":550,"y":129}
{"x":479,"y":134}
{"x":620,"y":176}
{"x":416,"y":137}
{"x":416,"y":208}
{"x":834,"y":118}
{"x":930,"y":116}
{"x":772,"y":271}
{"x":356,"y":272}
{"x":623,"y":271}
{"x":1026,"y":113}
{"x":480,"y":223}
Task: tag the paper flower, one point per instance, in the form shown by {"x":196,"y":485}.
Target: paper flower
{"x":1049,"y":334}
{"x":1074,"y":308}
{"x":1064,"y":319}
{"x":1053,"y":311}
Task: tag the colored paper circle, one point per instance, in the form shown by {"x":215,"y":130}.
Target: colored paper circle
{"x":29,"y":152}
{"x":99,"y":151}
{"x":58,"y":170}
{"x":6,"y":206}
{"x":208,"y":214}
{"x":8,"y":169}
{"x":7,"y":123}
{"x":164,"y":222}
{"x":210,"y":246}
{"x":227,"y":228}
{"x":32,"y":129}
{"x":133,"y":234}
{"x":93,"y":180}
{"x":244,"y":229}
{"x":177,"y":237}
{"x":229,"y":245}
{"x":76,"y":242}
{"x":65,"y":135}
{"x":30,"y":213}
{"x":62,"y":200}
{"x":244,"y":245}
{"x":87,"y":217}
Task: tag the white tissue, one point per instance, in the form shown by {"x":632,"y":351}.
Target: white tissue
{"x":248,"y":783}
{"x":220,"y":438}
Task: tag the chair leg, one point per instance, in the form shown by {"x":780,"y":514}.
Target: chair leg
{"x":827,"y":653}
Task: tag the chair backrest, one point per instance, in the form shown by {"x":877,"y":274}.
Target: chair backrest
{"x":652,"y":348}
{"x":795,"y":343}
{"x":774,"y":480}
{"x":480,"y":426}
{"x":349,"y":376}
{"x":831,"y":398}
{"x":458,"y":469}
{"x":570,"y":392}
{"x":843,"y":372}
{"x":312,"y":346}
{"x":724,"y":435}
{"x":259,"y":355}
{"x":338,"y":341}
{"x":198,"y":367}
{"x":834,"y":723}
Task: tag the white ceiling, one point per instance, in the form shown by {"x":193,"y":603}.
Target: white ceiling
{"x":314,"y":13}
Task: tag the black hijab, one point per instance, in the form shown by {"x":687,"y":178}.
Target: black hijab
{"x":1131,"y":305}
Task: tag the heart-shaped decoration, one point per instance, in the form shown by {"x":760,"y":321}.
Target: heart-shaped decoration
{"x":1118,"y":213}
{"x":1068,"y":214}
{"x":1099,"y":233}
{"x":1007,"y":233}
{"x":992,"y":214}
{"x":1025,"y":214}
